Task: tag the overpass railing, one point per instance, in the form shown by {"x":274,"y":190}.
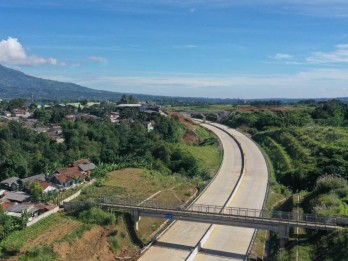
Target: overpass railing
{"x":229,"y":211}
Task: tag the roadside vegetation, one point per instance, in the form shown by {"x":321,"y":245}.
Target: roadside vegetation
{"x":169,"y":164}
{"x":307,"y":145}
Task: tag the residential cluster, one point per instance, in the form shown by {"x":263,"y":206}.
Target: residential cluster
{"x":16,"y":193}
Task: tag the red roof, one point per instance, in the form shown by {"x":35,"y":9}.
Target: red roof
{"x":44,"y":184}
{"x":69,"y":171}
{"x":81,"y":161}
{"x":6,"y":205}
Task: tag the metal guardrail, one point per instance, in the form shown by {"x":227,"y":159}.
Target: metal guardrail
{"x":223,"y":212}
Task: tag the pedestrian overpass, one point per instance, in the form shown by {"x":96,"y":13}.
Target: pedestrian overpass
{"x":277,"y":221}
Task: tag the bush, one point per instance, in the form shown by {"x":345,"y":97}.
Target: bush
{"x":97,"y":216}
{"x":328,"y":183}
{"x":41,"y":253}
{"x":114,"y":244}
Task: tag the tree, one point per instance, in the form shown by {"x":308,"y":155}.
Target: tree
{"x":36,"y":191}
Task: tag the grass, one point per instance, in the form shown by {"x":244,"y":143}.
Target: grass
{"x":209,"y":157}
{"x":40,"y":253}
{"x":46,"y":231}
{"x":226,"y":107}
{"x":77,"y":233}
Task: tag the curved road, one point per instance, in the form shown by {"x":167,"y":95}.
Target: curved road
{"x":224,"y":242}
{"x":231,"y":243}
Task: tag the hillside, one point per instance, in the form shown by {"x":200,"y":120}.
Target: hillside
{"x":15,"y":84}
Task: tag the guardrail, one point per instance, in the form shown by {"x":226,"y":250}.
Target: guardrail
{"x":232,"y":213}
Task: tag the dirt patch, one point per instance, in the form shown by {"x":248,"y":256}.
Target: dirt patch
{"x":52,"y":234}
{"x":182,"y":119}
{"x":92,"y":246}
{"x":248,"y":108}
{"x":191,"y":137}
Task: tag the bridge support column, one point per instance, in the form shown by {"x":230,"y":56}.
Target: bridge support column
{"x":136,"y":219}
{"x":204,"y":118}
{"x":283,"y":235}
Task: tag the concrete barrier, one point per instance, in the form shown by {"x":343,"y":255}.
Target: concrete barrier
{"x":206,"y":235}
{"x":46,"y":214}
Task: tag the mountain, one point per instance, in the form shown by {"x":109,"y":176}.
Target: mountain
{"x":15,"y":84}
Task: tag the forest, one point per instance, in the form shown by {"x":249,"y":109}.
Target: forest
{"x":307,"y":144}
{"x":24,"y":152}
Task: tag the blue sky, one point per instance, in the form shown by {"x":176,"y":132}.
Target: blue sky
{"x":205,"y":48}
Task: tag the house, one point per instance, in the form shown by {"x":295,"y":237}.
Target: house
{"x":17,"y":210}
{"x":114,"y":117}
{"x":22,"y":113}
{"x":46,"y":186}
{"x":40,"y":129}
{"x":150,"y":125}
{"x":29,"y":123}
{"x":80,"y":161}
{"x":68,"y":177}
{"x":56,"y":136}
{"x":44,"y":207}
{"x":18,"y":197}
{"x":2,"y":193}
{"x":6,"y":204}
{"x":70,"y":117}
{"x":10,"y":183}
{"x":87,"y":167}
{"x":7,"y":114}
{"x":27,"y":181}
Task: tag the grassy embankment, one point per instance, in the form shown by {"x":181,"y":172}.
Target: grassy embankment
{"x":302,"y":156}
{"x":64,"y":236}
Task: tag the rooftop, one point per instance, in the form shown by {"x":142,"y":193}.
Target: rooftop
{"x":10,"y":180}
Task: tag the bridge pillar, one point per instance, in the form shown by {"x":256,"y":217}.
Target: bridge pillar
{"x":204,"y":118}
{"x":136,"y":219}
{"x":283,"y":235}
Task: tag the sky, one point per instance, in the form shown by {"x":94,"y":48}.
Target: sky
{"x":199,"y":48}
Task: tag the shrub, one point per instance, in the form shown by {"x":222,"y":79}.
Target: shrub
{"x":328,"y":183}
{"x":97,"y":216}
{"x":114,"y":244}
{"x":41,"y":253}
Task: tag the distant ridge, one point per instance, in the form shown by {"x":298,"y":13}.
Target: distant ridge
{"x":16,"y":84}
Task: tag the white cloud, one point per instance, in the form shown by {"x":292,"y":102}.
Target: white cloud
{"x":186,"y":46}
{"x":13,"y":53}
{"x":340,"y":55}
{"x":316,"y":83}
{"x":283,"y":56}
{"x":98,"y":59}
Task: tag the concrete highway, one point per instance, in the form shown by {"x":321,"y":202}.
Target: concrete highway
{"x":223,"y":242}
{"x":231,"y":243}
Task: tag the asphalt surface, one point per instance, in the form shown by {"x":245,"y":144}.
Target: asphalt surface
{"x":224,"y":242}
{"x":231,"y":243}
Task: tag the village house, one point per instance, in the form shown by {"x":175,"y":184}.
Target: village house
{"x":18,"y":197}
{"x":11,"y":184}
{"x":70,"y":117}
{"x":7,"y":114}
{"x":55,"y":135}
{"x":22,"y":113}
{"x":150,"y":126}
{"x":68,"y":177}
{"x":114,"y":117}
{"x":46,"y":186}
{"x":29,"y":180}
{"x":17,"y":210}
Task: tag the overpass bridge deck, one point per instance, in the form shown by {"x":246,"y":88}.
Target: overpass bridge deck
{"x":241,"y":217}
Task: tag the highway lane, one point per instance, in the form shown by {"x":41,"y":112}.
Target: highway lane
{"x":182,"y":237}
{"x":231,"y":243}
